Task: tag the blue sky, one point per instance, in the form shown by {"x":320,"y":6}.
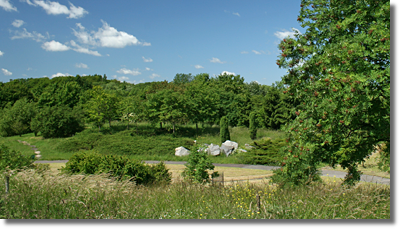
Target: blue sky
{"x":143,"y":41}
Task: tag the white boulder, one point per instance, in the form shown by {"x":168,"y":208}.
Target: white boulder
{"x":228,"y":147}
{"x":181,"y":151}
{"x":213,"y":150}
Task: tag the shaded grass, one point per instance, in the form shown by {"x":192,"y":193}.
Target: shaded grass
{"x":44,"y":196}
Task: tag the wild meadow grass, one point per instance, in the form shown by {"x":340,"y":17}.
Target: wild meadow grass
{"x":44,"y":195}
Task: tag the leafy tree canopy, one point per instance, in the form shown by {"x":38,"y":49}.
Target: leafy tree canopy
{"x":340,"y":72}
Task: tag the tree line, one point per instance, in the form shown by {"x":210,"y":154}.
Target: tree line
{"x":61,"y":106}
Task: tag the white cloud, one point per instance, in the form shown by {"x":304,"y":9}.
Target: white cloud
{"x":25,"y":34}
{"x":149,"y":69}
{"x":121,"y":78}
{"x":198,"y":66}
{"x":147,"y":60}
{"x":58,"y":74}
{"x":216,"y":60}
{"x":234,"y":13}
{"x":228,"y":73}
{"x":110,"y":37}
{"x":285,"y":33}
{"x":6,"y":72}
{"x":81,"y":49}
{"x":128,"y":71}
{"x":154,"y":76}
{"x":54,"y":46}
{"x":83,"y":36}
{"x":244,"y":52}
{"x":76,"y":12}
{"x":1,"y":53}
{"x":106,"y":36}
{"x":6,"y":5}
{"x":56,"y":8}
{"x":256,"y":52}
{"x":81,"y":65}
{"x":17,"y":23}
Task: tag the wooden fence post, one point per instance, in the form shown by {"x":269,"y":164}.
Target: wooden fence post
{"x":7,"y":183}
{"x":258,"y":202}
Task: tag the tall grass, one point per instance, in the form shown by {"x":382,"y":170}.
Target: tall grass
{"x":45,"y":196}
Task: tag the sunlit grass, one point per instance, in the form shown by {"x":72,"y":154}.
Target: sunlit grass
{"x":48,"y":196}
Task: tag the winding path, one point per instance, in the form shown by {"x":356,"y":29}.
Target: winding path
{"x":328,"y":173}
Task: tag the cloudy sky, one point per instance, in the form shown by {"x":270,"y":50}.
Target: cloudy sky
{"x":143,"y":41}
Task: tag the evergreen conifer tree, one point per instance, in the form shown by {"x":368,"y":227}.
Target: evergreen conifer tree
{"x":224,"y":131}
{"x":253,"y":126}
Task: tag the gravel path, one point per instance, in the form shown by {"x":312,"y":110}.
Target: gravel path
{"x":328,"y":173}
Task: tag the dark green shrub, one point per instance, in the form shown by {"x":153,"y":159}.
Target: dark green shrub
{"x":10,"y":159}
{"x":197,"y":167}
{"x":118,"y":166}
{"x":57,"y":122}
{"x":224,"y":129}
{"x":266,"y":152}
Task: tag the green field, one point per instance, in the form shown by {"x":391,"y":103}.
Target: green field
{"x":144,"y":142}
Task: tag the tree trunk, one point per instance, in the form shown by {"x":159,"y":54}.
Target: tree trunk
{"x":160,"y":125}
{"x":99,"y":128}
{"x":173,"y":127}
{"x":109,"y":122}
{"x":197,"y":128}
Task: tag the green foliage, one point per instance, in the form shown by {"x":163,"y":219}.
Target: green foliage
{"x":166,"y":106}
{"x":384,"y":158}
{"x":13,"y":91}
{"x":266,"y":152}
{"x":61,"y":93}
{"x":201,"y":101}
{"x":10,"y":159}
{"x":127,"y":143}
{"x":197,"y":167}
{"x":132,"y":110}
{"x":16,"y":120}
{"x":101,"y":107}
{"x":224,"y":130}
{"x":181,"y":78}
{"x":120,"y":167}
{"x":253,"y":126}
{"x":57,"y":122}
{"x":339,"y":70}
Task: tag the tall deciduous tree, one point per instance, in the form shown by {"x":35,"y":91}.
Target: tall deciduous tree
{"x":201,"y":101}
{"x":57,"y":122}
{"x":102,"y":106}
{"x":167,"y":106}
{"x":131,"y":109}
{"x":340,"y":72}
{"x":16,"y":120}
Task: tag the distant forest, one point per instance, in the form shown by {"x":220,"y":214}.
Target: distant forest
{"x":61,"y":106}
